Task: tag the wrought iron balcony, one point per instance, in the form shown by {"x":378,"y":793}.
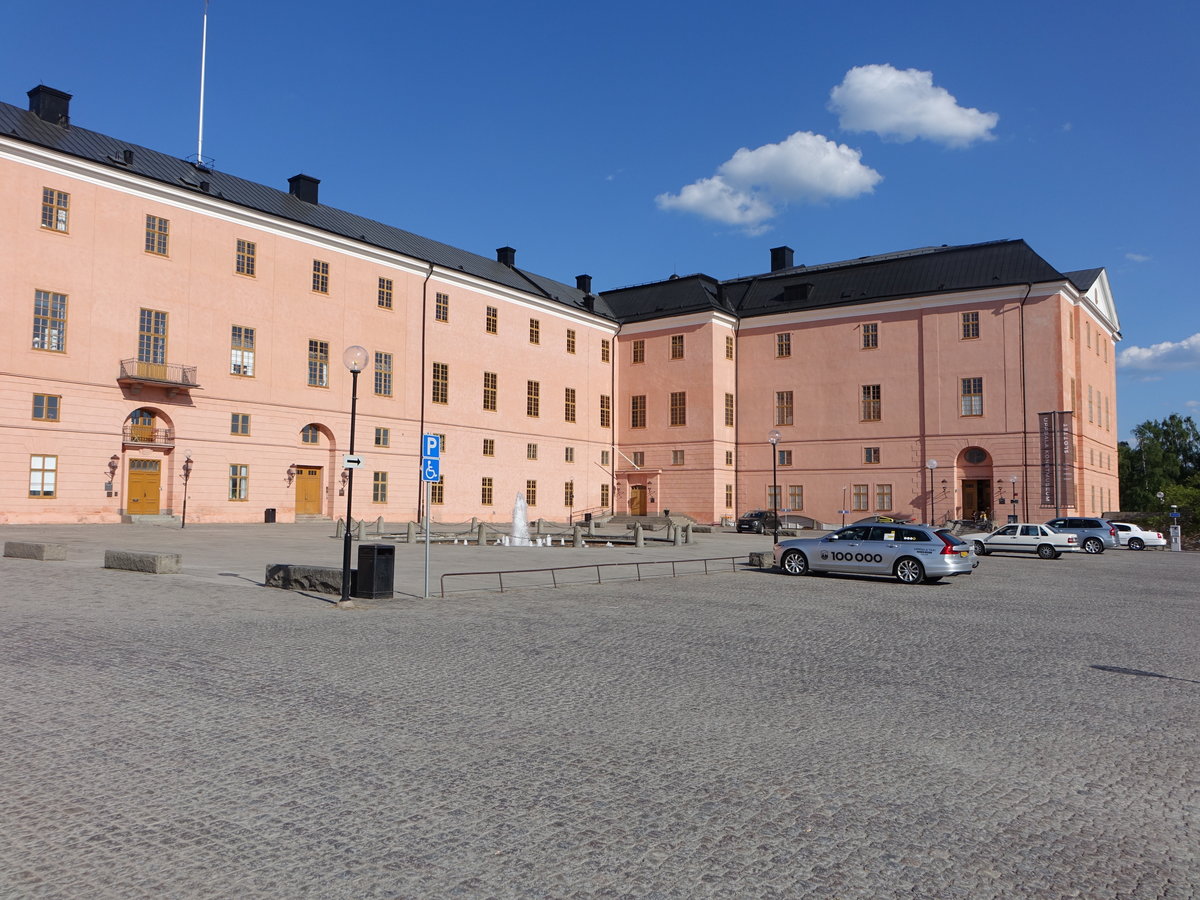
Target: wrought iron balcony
{"x":136,"y":374}
{"x":147,"y":436}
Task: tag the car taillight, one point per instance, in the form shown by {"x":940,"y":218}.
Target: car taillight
{"x":1112,"y":532}
{"x":1158,"y":534}
{"x":947,"y":548}
{"x":1071,"y":539}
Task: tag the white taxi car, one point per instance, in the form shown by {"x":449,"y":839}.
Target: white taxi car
{"x":1024,"y":537}
{"x":1137,"y":538}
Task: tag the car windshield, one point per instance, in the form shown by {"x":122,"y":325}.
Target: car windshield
{"x":757,"y":514}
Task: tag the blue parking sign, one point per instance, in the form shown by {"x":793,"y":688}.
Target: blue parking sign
{"x":431,"y":470}
{"x":431,"y":446}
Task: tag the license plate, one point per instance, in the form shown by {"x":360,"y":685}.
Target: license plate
{"x":963,"y":552}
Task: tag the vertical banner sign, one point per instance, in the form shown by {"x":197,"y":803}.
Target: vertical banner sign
{"x":1055,"y":435}
{"x":1066,"y":464}
{"x":1046,"y":446}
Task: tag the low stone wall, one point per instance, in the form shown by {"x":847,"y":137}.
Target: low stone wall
{"x":144,"y":561}
{"x":31,"y":550}
{"x":319,"y":579}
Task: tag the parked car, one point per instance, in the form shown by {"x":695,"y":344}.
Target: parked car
{"x":1137,"y":538}
{"x":912,"y":553}
{"x":1095,"y":535}
{"x":1024,"y":537}
{"x":758,"y":521}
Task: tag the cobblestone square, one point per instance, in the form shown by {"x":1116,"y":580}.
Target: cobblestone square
{"x":1029,"y":731}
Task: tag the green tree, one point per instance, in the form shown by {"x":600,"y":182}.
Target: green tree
{"x":1165,"y":456}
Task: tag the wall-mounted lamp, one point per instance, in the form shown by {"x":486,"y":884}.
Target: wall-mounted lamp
{"x":345,"y":478}
{"x":114,"y":462}
{"x":291,"y":475}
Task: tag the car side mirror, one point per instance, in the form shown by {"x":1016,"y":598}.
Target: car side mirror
{"x":832,"y":537}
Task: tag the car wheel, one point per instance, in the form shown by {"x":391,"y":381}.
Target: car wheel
{"x":1093,"y":545}
{"x":1137,"y":544}
{"x":1045,"y":551}
{"x":980,"y":549}
{"x":758,"y":528}
{"x":793,"y":562}
{"x":909,"y":571}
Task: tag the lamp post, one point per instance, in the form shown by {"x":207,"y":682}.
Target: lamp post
{"x":931,"y":465}
{"x":1016,"y":517}
{"x":185,"y":474}
{"x":355,"y":359}
{"x":773,"y":437}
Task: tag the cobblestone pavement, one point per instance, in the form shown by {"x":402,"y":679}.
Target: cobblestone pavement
{"x":1027,"y":732}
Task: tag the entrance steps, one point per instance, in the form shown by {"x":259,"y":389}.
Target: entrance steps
{"x":161,"y":520}
{"x":301,"y":519}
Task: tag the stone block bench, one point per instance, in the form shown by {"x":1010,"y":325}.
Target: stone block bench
{"x":320,"y":579}
{"x":764,"y":560}
{"x":144,"y":561}
{"x":31,"y":550}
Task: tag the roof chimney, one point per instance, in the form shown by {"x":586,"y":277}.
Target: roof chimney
{"x":584,"y":283}
{"x":304,"y":187}
{"x":781,"y":258}
{"x":49,"y":104}
{"x":507,"y":256}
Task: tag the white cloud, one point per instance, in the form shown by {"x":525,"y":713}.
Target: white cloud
{"x":1137,"y":257}
{"x":1170,"y":356}
{"x":749,"y":188}
{"x":905,"y":105}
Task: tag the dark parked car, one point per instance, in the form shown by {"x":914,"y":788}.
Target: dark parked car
{"x":758,"y":521}
{"x":1094,"y":534}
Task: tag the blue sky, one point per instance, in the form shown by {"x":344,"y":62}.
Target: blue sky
{"x":605,"y":138}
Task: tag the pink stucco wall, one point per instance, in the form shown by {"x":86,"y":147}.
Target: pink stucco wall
{"x":1029,"y":353}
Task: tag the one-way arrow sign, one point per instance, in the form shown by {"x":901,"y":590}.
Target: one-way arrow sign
{"x":352,"y":462}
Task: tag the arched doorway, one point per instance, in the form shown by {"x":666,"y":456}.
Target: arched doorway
{"x":310,"y":480}
{"x":975,"y":467}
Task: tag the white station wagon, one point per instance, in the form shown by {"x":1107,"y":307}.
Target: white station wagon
{"x":1024,"y":537}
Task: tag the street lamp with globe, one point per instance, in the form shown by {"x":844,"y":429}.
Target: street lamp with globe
{"x":773,"y":437}
{"x":355,"y":359}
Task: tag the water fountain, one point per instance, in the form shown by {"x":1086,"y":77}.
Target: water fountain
{"x":520,"y":523}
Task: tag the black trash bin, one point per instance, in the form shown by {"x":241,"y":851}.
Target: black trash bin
{"x":269,"y":516}
{"x":587,"y":517}
{"x":376,"y":571}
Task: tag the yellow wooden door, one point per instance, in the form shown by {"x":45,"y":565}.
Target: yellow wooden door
{"x":144,"y":487}
{"x":637,"y":500}
{"x":308,"y":491}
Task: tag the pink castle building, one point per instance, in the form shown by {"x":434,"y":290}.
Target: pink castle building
{"x":177,"y":334}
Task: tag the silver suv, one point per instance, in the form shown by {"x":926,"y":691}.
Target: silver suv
{"x":1095,"y":535}
{"x":911,"y":553}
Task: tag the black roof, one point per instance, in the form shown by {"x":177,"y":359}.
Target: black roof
{"x":99,"y":148}
{"x":870,"y":279}
{"x":918,"y":272}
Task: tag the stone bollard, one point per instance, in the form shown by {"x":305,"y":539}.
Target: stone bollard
{"x":762,"y":559}
{"x":591,"y":524}
{"x":678,"y":536}
{"x":638,"y":540}
{"x":360,"y":529}
{"x":340,"y":529}
{"x":687,"y":533}
{"x":577,"y":536}
{"x":412,"y":532}
{"x":480,"y":534}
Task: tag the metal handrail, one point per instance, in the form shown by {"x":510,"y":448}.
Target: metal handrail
{"x":165,"y":373}
{"x":145,"y":434}
{"x":594,"y":511}
{"x":554,"y":570}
